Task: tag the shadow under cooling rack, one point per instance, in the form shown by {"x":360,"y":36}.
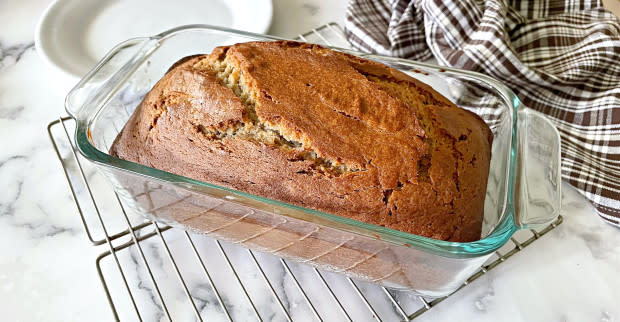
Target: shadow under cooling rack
{"x":150,"y":271}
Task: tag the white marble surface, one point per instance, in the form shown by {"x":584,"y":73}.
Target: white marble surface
{"x":47,"y":267}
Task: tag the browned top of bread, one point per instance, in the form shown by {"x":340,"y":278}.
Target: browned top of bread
{"x":318,"y":128}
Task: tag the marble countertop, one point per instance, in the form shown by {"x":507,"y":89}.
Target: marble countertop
{"x":47,"y":269}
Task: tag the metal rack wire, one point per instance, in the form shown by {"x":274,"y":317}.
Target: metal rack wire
{"x":151,"y":271}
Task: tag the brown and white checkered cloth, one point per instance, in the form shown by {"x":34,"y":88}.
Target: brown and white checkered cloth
{"x":561,"y":57}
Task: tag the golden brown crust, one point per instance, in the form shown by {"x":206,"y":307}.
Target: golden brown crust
{"x":321,"y":129}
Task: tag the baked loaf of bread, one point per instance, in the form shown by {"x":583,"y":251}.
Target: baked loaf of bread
{"x":321,"y":129}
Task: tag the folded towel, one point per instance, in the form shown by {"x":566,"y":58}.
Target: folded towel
{"x":561,"y":57}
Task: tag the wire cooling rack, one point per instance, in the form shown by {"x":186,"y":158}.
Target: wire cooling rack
{"x":150,"y":271}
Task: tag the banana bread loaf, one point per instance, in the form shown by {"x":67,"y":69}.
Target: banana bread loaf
{"x":320,"y":129}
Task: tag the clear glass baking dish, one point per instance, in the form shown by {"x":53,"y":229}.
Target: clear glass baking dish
{"x":523,"y":188}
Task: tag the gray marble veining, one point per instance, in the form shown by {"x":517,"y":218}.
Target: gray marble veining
{"x":10,"y":55}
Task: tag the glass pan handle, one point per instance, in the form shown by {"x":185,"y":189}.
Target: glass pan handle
{"x":92,"y":90}
{"x":538,"y":190}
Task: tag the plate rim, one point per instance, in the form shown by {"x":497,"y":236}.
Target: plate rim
{"x":44,"y":50}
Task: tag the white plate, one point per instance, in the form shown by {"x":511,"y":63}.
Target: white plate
{"x":74,"y":34}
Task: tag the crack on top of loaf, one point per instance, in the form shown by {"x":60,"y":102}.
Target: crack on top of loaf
{"x":426,"y":97}
{"x":255,"y":129}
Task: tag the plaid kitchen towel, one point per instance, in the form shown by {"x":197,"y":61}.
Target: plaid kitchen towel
{"x":561,"y":57}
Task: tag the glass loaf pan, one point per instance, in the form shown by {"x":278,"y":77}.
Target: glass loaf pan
{"x":523,"y":188}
